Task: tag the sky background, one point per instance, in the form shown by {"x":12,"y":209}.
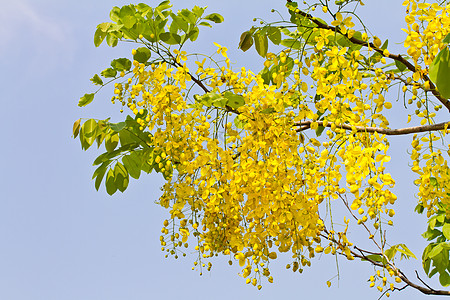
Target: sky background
{"x":61,"y":239}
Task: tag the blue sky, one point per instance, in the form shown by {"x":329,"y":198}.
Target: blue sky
{"x":60,"y":238}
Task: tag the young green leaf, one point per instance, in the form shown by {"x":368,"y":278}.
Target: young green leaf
{"x":215,"y":17}
{"x":86,"y":99}
{"x":108,"y":73}
{"x":205,"y":24}
{"x":97,"y":80}
{"x":99,"y":36}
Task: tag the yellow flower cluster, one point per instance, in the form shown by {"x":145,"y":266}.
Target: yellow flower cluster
{"x":427,"y":25}
{"x":251,"y":190}
{"x":430,"y":165}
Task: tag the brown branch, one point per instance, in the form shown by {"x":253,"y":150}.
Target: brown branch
{"x":424,"y":283}
{"x":401,"y":131}
{"x":396,"y":57}
{"x":425,"y":290}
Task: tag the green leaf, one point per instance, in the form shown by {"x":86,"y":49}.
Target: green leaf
{"x":99,"y":36}
{"x":446,"y":230}
{"x":97,"y":80}
{"x":110,"y":183}
{"x":76,"y":128}
{"x":265,"y":75}
{"x":234,"y":101}
{"x":246,"y":41}
{"x":188,"y":16}
{"x":205,"y":24}
{"x":133,"y":164}
{"x":142,"y":55}
{"x":446,"y":39}
{"x":126,"y":137}
{"x":433,"y":272}
{"x":274,"y":35}
{"x":198,"y":11}
{"x":426,"y":265}
{"x":114,"y":14}
{"x":102,"y":158}
{"x":434,"y":181}
{"x":268,"y":110}
{"x":89,"y":128}
{"x":121,"y":64}
{"x":170,"y":38}
{"x":121,"y":178}
{"x":215,"y":17}
{"x":178,"y":23}
{"x":111,"y":39}
{"x":108,"y":73}
{"x":111,"y":142}
{"x":193,"y":34}
{"x":435,"y":251}
{"x":85,"y":100}
{"x":240,"y":124}
{"x":444,"y":278}
{"x":319,"y":130}
{"x":127,"y":16}
{"x":261,"y":43}
{"x":164,"y":5}
{"x":419,"y":208}
{"x":375,"y":257}
{"x":117,"y":126}
{"x":431,"y":234}
{"x":99,"y":174}
{"x":87,"y":133}
{"x":292,"y":44}
{"x":440,"y":72}
{"x":405,"y":251}
{"x":390,"y":253}
{"x":432,"y":222}
{"x":400,"y":66}
{"x":210,"y":99}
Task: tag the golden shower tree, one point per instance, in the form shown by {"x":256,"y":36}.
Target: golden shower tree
{"x":256,"y":161}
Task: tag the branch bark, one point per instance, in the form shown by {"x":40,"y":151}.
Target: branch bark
{"x":401,"y":131}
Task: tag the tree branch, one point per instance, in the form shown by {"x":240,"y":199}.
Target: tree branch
{"x":401,"y":131}
{"x":396,"y":57}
